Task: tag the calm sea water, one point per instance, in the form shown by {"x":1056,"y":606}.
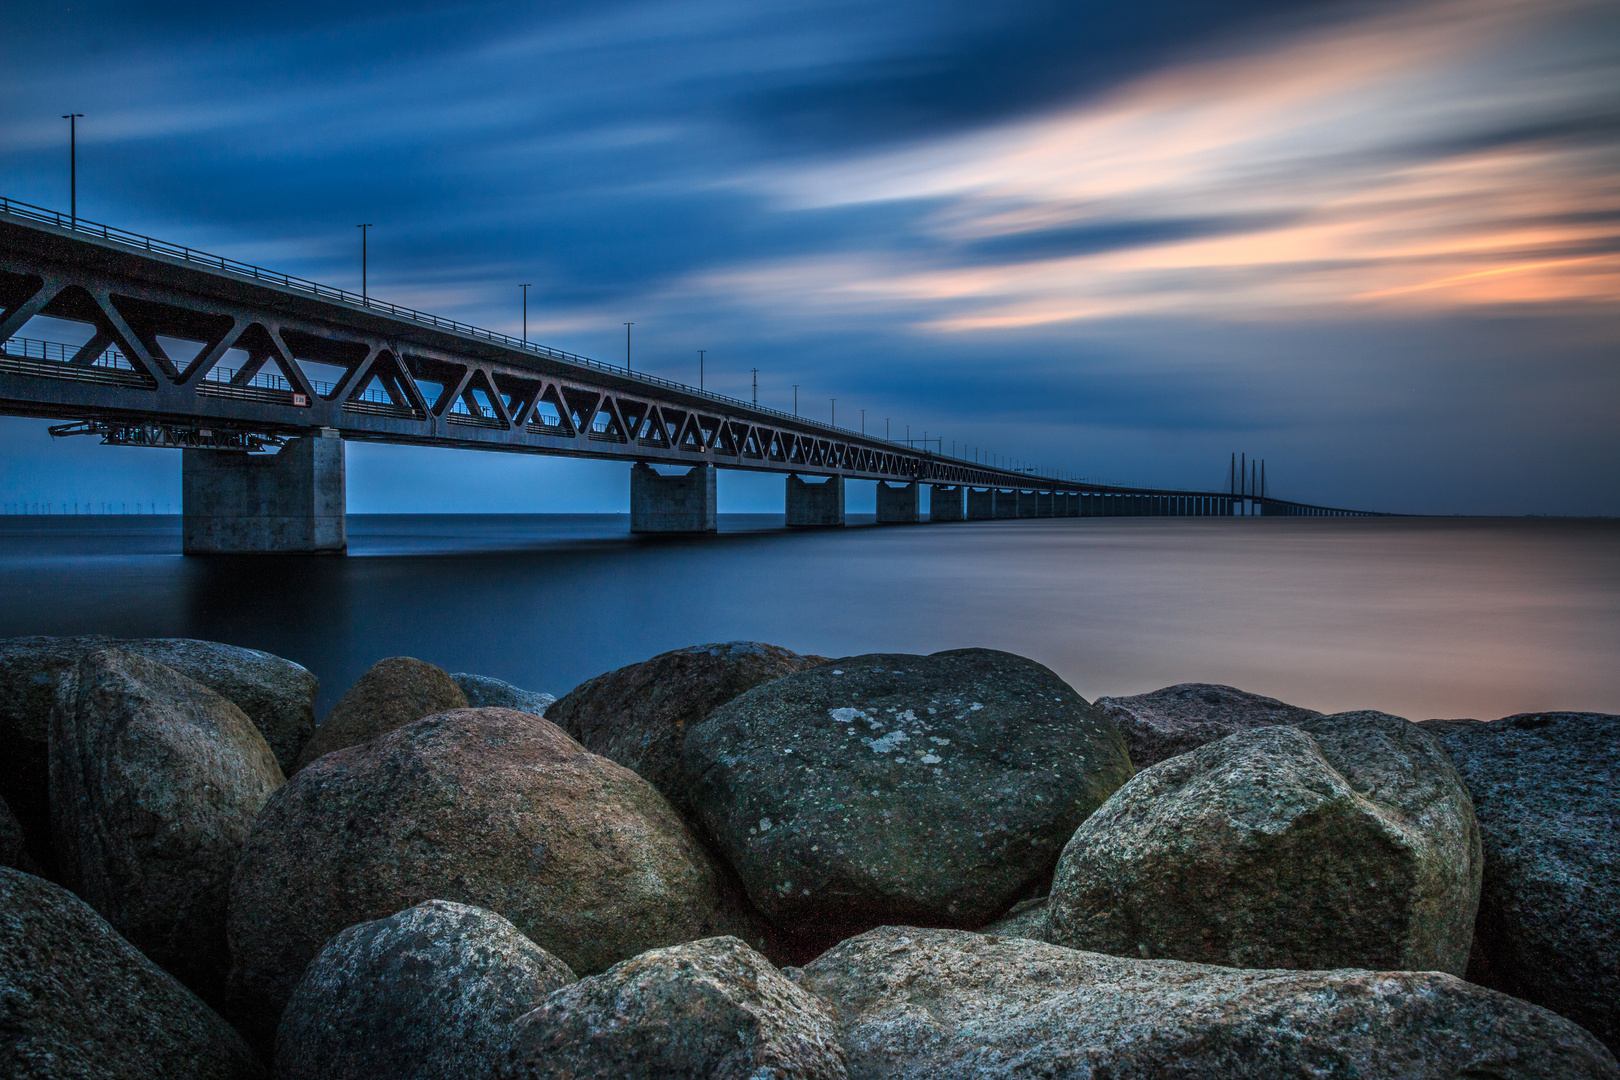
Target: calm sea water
{"x":1419,"y":617}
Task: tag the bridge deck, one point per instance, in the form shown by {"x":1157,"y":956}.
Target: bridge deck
{"x":217,"y":350}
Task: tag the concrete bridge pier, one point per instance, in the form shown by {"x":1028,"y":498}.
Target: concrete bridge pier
{"x":981,"y":504}
{"x":945,"y":504}
{"x":1006,"y":504}
{"x":683,"y":503}
{"x":1027,"y":504}
{"x":899,"y":505}
{"x":291,"y":502}
{"x":1044,"y":504}
{"x":811,"y":506}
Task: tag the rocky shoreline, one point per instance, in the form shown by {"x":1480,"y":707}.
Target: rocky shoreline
{"x":732,"y":860}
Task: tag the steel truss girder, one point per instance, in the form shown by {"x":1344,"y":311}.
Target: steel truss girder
{"x":506,"y":396}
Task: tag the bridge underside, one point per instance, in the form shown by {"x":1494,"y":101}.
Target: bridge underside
{"x":219,"y":359}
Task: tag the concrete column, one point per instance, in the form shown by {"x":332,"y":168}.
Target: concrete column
{"x":815,"y":505}
{"x":1006,"y":504}
{"x":684,"y":503}
{"x":289,"y":502}
{"x":1043,"y":504}
{"x":899,"y":505}
{"x":945,"y":504}
{"x":1028,"y":504}
{"x":981,"y":505}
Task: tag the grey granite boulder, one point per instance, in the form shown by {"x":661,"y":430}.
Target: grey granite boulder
{"x":1347,"y":842}
{"x":1025,"y":919}
{"x":393,"y":691}
{"x":490,"y":807}
{"x":929,"y":1004}
{"x":277,"y":695}
{"x":875,"y":789}
{"x":1183,"y":717}
{"x":428,"y":994}
{"x":714,"y":1009}
{"x":1546,"y":789}
{"x":484,"y":692}
{"x":639,"y":715}
{"x":78,"y":1002}
{"x":155,"y":784}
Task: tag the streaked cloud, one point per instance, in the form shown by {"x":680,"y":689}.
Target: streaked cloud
{"x":1462,"y":155}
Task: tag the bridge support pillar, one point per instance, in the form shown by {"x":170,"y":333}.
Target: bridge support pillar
{"x":1006,"y":504}
{"x":684,"y":503}
{"x":1044,"y":507}
{"x":945,"y":504}
{"x":812,"y":506}
{"x":981,"y":505}
{"x":899,"y":505}
{"x":291,"y":502}
{"x":1027,"y":504}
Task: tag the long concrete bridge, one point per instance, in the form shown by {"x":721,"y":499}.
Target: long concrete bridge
{"x":220,"y":359}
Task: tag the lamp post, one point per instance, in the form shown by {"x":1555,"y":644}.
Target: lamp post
{"x":834,"y":411}
{"x":700,"y":367}
{"x":73,"y":164}
{"x":627,"y":327}
{"x":363,"y":235}
{"x":863,"y":421}
{"x":525,"y":289}
{"x":756,"y":386}
{"x":795,"y":399}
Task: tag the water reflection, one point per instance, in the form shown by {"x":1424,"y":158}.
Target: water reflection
{"x":1415,"y":616}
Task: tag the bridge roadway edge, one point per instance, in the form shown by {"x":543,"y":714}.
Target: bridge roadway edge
{"x":132,"y":296}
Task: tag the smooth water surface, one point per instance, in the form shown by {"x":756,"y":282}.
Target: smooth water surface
{"x":1419,"y":617}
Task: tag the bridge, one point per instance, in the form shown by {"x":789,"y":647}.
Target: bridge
{"x":223,"y":360}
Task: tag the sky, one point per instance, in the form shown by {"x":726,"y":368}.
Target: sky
{"x":1377,"y":245}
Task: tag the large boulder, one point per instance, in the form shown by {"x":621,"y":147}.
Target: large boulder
{"x":392,"y":692}
{"x":428,"y":994}
{"x":490,"y":807}
{"x":1025,"y":919}
{"x":639,"y":715}
{"x":1347,"y":842}
{"x":484,"y":692}
{"x":1546,"y":790}
{"x":277,"y":695}
{"x":155,"y":784}
{"x":78,"y":1001}
{"x":884,"y":788}
{"x":714,"y":1009}
{"x":1183,"y":717}
{"x":925,"y":1004}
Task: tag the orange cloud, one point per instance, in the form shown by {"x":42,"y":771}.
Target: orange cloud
{"x":1340,"y":161}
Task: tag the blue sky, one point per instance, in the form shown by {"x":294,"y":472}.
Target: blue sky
{"x":1377,"y":245}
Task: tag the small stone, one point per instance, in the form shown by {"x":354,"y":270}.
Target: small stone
{"x":714,"y":1009}
{"x":78,"y":1001}
{"x":484,"y":692}
{"x":392,"y":692}
{"x":429,"y":994}
{"x":1179,"y":718}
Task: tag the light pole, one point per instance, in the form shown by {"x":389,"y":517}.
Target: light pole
{"x":885,"y":429}
{"x":525,"y":289}
{"x":73,"y":164}
{"x":834,"y":411}
{"x":756,"y":386}
{"x":363,"y":235}
{"x":627,"y":327}
{"x":863,"y":421}
{"x":700,"y":367}
{"x":795,"y":399}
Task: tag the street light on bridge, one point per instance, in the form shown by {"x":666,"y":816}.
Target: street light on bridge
{"x":73,"y":119}
{"x":363,"y":234}
{"x":525,"y":289}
